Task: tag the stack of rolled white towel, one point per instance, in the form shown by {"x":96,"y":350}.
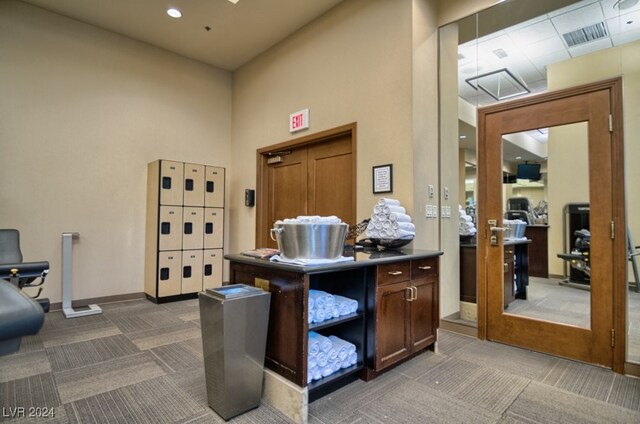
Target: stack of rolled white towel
{"x":328,"y":355}
{"x":312,"y":219}
{"x":467,"y":227}
{"x":390,"y":221}
{"x":324,"y":306}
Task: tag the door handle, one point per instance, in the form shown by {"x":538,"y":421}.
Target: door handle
{"x":506,"y":267}
{"x":426,"y":267}
{"x":495,"y":230}
{"x":415,"y":291}
{"x":395,"y":273}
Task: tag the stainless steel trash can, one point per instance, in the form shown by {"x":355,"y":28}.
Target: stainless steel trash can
{"x":234,"y":322}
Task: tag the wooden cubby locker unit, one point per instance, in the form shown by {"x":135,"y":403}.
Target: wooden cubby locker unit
{"x":184,"y":231}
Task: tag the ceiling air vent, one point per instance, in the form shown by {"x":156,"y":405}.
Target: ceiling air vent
{"x":500,"y":53}
{"x":586,"y":34}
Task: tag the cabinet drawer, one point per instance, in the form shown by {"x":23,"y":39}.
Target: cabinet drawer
{"x":394,"y":273}
{"x":421,"y":268}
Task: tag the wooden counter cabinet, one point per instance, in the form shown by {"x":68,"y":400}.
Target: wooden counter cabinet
{"x":406,"y":310}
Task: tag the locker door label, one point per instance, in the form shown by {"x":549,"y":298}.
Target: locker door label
{"x":186,"y":272}
{"x":188,"y":228}
{"x":165,"y":228}
{"x":210,"y":187}
{"x":208,"y":228}
{"x":188,"y":184}
{"x":208,"y":270}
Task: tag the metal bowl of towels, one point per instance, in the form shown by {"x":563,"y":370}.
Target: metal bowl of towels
{"x":310,"y":240}
{"x":392,"y":243}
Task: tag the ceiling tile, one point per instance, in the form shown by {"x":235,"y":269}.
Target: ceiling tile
{"x":533,"y":33}
{"x":544,"y":48}
{"x":578,"y":18}
{"x":611,"y":12}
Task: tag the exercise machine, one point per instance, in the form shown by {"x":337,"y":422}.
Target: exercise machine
{"x":576,"y":240}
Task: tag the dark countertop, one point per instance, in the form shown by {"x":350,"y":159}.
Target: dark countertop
{"x":507,"y":242}
{"x":363,"y":258}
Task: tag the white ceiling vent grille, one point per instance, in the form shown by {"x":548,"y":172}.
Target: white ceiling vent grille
{"x":586,"y":34}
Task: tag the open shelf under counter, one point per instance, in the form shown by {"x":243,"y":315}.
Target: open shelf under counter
{"x":335,"y":321}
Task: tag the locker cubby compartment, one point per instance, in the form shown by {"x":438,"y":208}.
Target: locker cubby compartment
{"x":175,"y":225}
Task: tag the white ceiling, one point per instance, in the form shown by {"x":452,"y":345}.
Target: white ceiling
{"x":532,"y":45}
{"x":238,"y":32}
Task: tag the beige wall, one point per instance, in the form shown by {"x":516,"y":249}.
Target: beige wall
{"x":452,"y":10}
{"x":82,"y":112}
{"x":354,"y":64}
{"x":620,"y":61}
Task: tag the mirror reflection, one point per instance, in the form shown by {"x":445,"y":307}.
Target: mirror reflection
{"x":546,"y":204}
{"x":542,"y":45}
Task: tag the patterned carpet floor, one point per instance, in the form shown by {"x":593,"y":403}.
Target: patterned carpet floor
{"x":139,"y":362}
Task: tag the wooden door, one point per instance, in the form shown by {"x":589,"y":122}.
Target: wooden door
{"x":423,"y":319}
{"x":329,"y":176}
{"x":286,"y":188}
{"x":314,"y":175}
{"x":393,"y":337}
{"x":598,"y":108}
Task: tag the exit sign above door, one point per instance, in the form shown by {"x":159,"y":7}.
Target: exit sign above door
{"x":299,"y":121}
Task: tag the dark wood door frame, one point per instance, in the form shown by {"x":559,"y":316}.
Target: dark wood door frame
{"x":262,"y":224}
{"x":614,"y":86}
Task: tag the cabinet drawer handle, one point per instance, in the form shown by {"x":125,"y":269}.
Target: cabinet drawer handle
{"x":395,"y":272}
{"x":425,"y":267}
{"x":506,"y":267}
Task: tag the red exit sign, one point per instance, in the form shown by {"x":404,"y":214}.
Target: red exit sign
{"x":299,"y":121}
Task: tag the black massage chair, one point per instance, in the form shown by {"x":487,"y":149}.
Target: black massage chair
{"x":20,"y":314}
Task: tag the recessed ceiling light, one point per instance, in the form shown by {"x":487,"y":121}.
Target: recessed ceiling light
{"x":518,"y":157}
{"x":624,"y":4}
{"x":463,"y":136}
{"x":234,"y":1}
{"x":174,"y":13}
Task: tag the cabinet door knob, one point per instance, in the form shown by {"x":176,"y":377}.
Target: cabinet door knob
{"x":425,"y":267}
{"x":506,"y":267}
{"x":395,"y":272}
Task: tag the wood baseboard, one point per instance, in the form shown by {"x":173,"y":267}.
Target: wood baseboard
{"x":97,"y":300}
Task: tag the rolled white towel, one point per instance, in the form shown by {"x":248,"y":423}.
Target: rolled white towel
{"x":321,"y":299}
{"x":332,"y":354}
{"x":346,"y":305}
{"x":387,"y":209}
{"x":325,"y":342}
{"x":401,"y":234}
{"x":322,"y":359}
{"x":327,"y":370}
{"x":312,"y":361}
{"x":386,"y":225}
{"x":466,"y":218}
{"x":312,"y":302}
{"x":314,"y":344}
{"x":310,"y":316}
{"x":336,"y":365}
{"x":316,"y":374}
{"x":406,"y":226}
{"x":399,"y":217}
{"x":373,"y":234}
{"x":319,"y":315}
{"x":378,"y":209}
{"x":343,"y":347}
{"x":387,"y":201}
{"x":335,"y":311}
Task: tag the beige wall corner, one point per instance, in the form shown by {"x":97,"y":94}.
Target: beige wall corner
{"x":82,"y":112}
